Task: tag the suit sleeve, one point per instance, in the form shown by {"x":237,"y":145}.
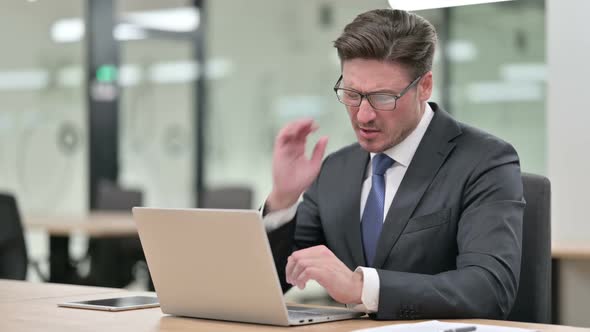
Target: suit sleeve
{"x":304,"y":230}
{"x":489,"y":240}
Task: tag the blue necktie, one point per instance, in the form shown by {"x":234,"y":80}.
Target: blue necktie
{"x":372,"y":220}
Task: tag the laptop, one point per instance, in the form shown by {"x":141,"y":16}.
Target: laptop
{"x":217,"y":264}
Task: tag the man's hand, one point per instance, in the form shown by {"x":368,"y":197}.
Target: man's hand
{"x":320,"y":264}
{"x":292,"y":171}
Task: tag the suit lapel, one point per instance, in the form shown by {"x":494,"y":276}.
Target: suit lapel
{"x":429,"y":157}
{"x":352,"y":204}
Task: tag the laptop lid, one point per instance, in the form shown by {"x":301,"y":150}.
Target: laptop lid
{"x":213,"y":264}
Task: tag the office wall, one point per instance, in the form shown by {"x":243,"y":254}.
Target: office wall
{"x":568,"y":118}
{"x":42,"y":110}
{"x":568,"y":53}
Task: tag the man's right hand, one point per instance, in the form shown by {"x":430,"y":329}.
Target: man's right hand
{"x":292,"y":171}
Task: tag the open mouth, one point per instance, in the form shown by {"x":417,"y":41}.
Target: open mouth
{"x":368,"y":133}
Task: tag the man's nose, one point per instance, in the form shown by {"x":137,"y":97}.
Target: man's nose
{"x":366,"y":112}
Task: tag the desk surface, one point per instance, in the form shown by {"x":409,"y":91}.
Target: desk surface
{"x":95,"y":224}
{"x":34,"y":307}
{"x":15,"y":291}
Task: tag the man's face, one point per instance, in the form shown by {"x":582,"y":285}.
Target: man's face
{"x":377,"y":130}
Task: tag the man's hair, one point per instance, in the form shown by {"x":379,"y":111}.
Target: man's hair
{"x":389,"y":35}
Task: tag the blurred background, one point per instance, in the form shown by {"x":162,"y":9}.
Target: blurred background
{"x":170,"y":103}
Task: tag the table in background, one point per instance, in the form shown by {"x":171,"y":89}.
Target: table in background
{"x":59,"y":229}
{"x":34,"y":307}
{"x":560,"y":252}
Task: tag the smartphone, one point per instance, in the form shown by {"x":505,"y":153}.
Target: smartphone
{"x":115,"y":304}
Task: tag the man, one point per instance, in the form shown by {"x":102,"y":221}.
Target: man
{"x":422,"y":218}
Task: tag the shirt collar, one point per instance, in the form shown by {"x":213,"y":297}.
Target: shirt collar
{"x":404,"y":151}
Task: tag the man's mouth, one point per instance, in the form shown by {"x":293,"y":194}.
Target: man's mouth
{"x":368,"y":132}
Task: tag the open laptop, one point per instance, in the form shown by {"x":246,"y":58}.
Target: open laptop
{"x":217,"y":264}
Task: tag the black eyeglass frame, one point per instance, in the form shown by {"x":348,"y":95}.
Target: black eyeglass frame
{"x":366,"y":96}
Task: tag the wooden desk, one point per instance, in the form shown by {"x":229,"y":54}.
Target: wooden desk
{"x":32,"y":309}
{"x":14,"y":291}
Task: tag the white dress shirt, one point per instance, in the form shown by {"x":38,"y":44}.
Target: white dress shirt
{"x":402,"y":154}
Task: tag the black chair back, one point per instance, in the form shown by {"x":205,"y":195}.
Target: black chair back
{"x":231,"y":197}
{"x":533,"y":300}
{"x":13,"y":251}
{"x":111,"y":197}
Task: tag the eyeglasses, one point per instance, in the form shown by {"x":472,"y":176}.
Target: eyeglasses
{"x":378,"y":100}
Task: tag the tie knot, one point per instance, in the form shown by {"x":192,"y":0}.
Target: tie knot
{"x":381,"y":162}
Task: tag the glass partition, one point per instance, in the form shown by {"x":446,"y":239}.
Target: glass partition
{"x":43,"y":143}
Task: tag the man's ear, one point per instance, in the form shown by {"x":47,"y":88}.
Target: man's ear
{"x":425,"y":87}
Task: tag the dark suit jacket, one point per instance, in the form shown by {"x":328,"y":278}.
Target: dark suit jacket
{"x":451,"y":241}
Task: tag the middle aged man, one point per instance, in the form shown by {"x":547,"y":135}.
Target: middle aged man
{"x":422,"y":218}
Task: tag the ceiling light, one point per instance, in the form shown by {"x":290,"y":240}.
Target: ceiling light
{"x":431,"y":4}
{"x":130,"y":75}
{"x":126,"y":31}
{"x":28,"y":79}
{"x":67,"y":30}
{"x":174,"y":72}
{"x":536,"y":72}
{"x":71,"y":76}
{"x":183,"y":19}
{"x":461,"y":50}
{"x":501,"y":91}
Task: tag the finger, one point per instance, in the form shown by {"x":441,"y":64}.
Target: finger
{"x":289,"y":269}
{"x":295,"y":264}
{"x":294,"y":260}
{"x":304,"y":131}
{"x":292,"y":263}
{"x":319,"y":150}
{"x":301,"y":281}
{"x":310,"y":273}
{"x":303,"y":264}
{"x":291,"y":130}
{"x":314,"y":257}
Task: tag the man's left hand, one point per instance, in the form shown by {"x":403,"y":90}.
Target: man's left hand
{"x":320,"y":264}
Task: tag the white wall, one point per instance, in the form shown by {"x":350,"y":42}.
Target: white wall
{"x":568,"y":118}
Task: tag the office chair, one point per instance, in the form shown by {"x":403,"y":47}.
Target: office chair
{"x":533,"y":300}
{"x":112,"y":260}
{"x":230,"y":197}
{"x":111,"y":197}
{"x":13,"y":251}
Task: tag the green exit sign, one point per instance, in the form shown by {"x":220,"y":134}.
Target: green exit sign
{"x":106,"y":74}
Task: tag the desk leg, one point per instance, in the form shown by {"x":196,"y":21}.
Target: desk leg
{"x":555,"y":302}
{"x":60,"y":268}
